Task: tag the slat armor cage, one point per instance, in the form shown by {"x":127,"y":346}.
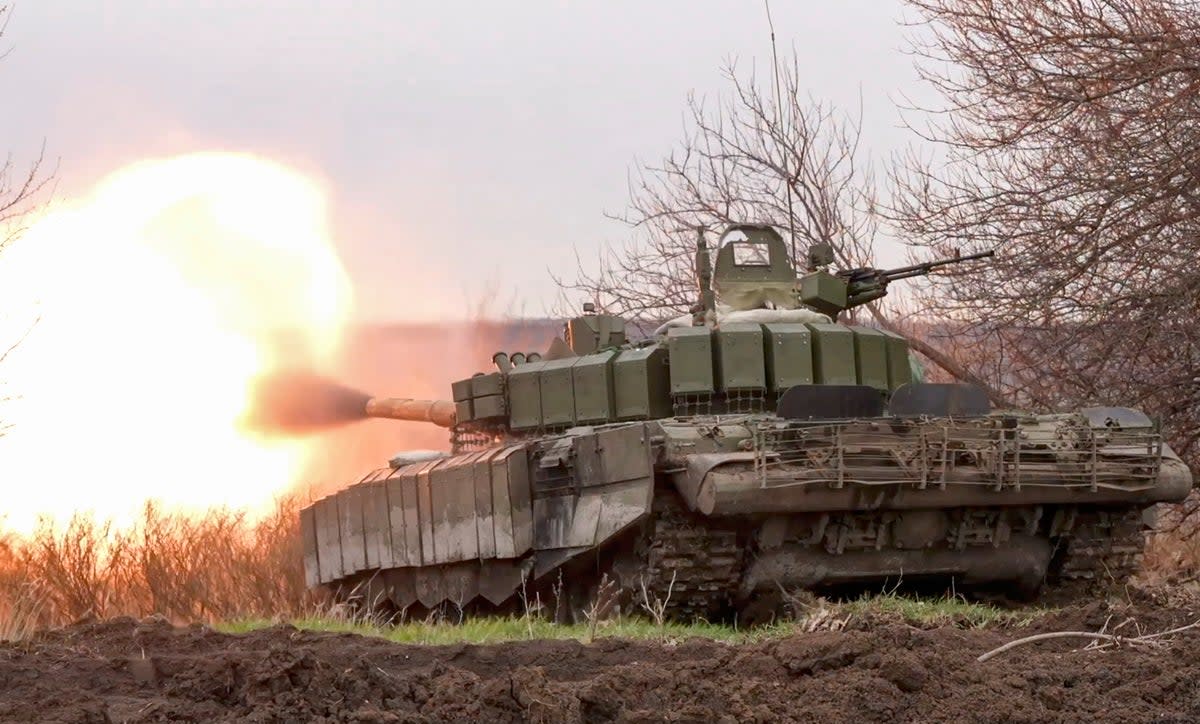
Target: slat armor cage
{"x":996,"y":452}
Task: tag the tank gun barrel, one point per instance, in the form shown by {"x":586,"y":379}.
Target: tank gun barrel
{"x":439,"y":412}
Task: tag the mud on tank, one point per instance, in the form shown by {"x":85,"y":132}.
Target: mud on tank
{"x":753,"y":446}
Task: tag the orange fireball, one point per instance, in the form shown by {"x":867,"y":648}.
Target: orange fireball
{"x":159,"y":298}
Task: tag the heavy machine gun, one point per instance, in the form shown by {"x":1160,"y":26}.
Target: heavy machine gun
{"x":833,"y":293}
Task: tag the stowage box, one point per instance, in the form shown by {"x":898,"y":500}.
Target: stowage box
{"x":789,"y":355}
{"x":691,"y":360}
{"x":899,"y":370}
{"x":558,"y":392}
{"x":870,"y":357}
{"x":592,"y":377}
{"x":525,"y":397}
{"x":640,"y":383}
{"x":833,"y":355}
{"x":740,"y":357}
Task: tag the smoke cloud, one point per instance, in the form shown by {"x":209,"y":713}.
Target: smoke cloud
{"x":297,"y":402}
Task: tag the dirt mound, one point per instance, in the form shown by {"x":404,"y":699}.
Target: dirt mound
{"x":143,"y":671}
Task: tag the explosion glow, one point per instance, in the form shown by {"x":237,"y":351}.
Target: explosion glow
{"x":158,"y":296}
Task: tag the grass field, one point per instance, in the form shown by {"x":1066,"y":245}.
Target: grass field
{"x":496,"y":630}
{"x":817,"y":614}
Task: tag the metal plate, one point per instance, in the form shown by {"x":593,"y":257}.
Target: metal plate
{"x":625,"y":453}
{"x":329,"y":544}
{"x":394,"y":489}
{"x":485,"y":525}
{"x":499,"y":579}
{"x":350,"y":526}
{"x":624,"y":504}
{"x":455,"y":537}
{"x":920,"y":399}
{"x":502,"y":514}
{"x":412,"y":517}
{"x":427,"y":582}
{"x":308,"y":537}
{"x":691,"y":360}
{"x":425,"y":512}
{"x":520,"y":498}
{"x":830,"y":402}
{"x":401,"y":586}
{"x":585,"y":519}
{"x":376,"y":525}
{"x":554,"y":518}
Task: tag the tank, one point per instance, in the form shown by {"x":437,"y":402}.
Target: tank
{"x":755,"y":446}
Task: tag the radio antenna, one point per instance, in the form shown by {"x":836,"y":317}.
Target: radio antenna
{"x":779,"y":119}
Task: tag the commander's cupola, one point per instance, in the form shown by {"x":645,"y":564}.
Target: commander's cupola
{"x":754,"y":269}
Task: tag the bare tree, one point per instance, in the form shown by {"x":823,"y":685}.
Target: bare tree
{"x":1069,"y":143}
{"x":21,"y":188}
{"x":737,"y":162}
{"x":772,"y":155}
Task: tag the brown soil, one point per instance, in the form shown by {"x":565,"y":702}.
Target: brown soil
{"x":126,"y":670}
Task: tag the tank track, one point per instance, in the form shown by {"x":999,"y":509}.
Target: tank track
{"x":695,"y":567}
{"x":691,"y":566}
{"x":1104,"y":549}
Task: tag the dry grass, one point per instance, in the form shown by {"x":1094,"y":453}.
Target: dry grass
{"x":1172,"y":557}
{"x":187,"y":568}
{"x":21,"y":612}
{"x":1173,"y":553}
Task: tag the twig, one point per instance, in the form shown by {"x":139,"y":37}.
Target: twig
{"x":657,"y":608}
{"x":1110,"y":638}
{"x":606,"y":596}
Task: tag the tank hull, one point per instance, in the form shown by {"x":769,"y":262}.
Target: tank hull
{"x":709,"y":515}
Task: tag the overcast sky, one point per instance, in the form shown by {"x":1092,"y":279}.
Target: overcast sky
{"x":464,"y":143}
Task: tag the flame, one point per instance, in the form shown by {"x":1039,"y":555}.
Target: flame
{"x":159,"y":298}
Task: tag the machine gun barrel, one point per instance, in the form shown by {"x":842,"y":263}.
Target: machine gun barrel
{"x":916,"y":270}
{"x":868,"y":283}
{"x":439,"y":412}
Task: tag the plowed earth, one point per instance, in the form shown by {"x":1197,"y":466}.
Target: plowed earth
{"x":126,"y":670}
